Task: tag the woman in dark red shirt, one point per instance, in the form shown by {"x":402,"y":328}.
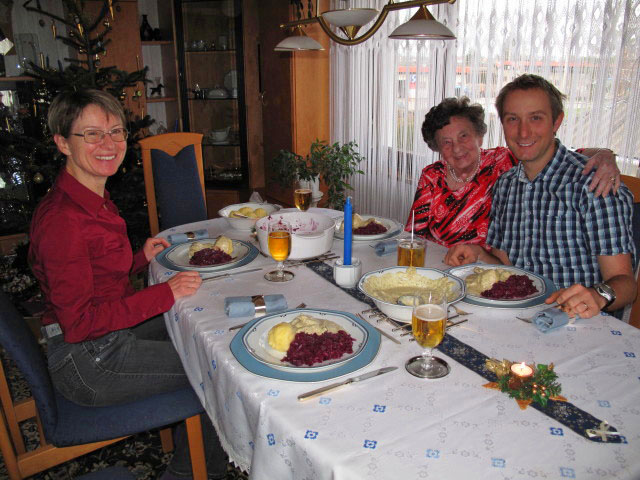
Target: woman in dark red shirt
{"x":102,"y":348}
{"x":453,"y":199}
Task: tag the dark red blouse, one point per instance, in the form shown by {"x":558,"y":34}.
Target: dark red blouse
{"x":81,"y":256}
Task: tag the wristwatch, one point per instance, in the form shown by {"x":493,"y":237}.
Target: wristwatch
{"x":605,"y":291}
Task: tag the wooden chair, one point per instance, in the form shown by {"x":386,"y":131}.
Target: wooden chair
{"x":633,"y":184}
{"x":67,"y":430}
{"x":170,"y":143}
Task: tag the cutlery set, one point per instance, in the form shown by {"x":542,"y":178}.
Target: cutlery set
{"x":319,"y":258}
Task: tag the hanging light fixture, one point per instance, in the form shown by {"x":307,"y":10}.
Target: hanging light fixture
{"x":422,"y":26}
{"x":298,"y":40}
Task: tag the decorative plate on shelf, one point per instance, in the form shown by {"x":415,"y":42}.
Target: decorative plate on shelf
{"x":543,"y":285}
{"x":252,"y":352}
{"x":176,"y":257}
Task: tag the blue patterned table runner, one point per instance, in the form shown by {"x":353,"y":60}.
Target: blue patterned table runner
{"x":565,"y":413}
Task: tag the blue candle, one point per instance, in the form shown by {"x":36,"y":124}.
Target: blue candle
{"x":348,"y":231}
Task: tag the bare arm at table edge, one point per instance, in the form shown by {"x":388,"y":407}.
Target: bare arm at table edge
{"x":463,"y":254}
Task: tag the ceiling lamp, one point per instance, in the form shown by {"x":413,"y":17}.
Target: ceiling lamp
{"x":298,"y":40}
{"x":422,"y":26}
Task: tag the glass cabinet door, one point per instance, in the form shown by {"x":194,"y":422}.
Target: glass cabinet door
{"x":212,"y":87}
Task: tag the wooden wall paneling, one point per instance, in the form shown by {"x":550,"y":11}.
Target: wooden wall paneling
{"x":296,"y":86}
{"x":124,"y":49}
{"x":253,"y":102}
{"x":275,"y":77}
{"x":218,"y":199}
{"x":310,"y":91}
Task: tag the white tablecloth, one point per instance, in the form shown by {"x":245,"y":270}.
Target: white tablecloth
{"x":399,"y":426}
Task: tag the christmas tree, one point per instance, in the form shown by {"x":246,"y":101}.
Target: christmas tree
{"x":29,"y":159}
{"x":26,"y":147}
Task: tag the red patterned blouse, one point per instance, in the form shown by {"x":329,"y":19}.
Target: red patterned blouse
{"x":462,"y":216}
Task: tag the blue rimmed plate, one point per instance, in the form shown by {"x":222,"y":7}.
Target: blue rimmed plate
{"x":393,"y":228}
{"x":176,"y":257}
{"x":246,"y":347}
{"x":544,"y":286}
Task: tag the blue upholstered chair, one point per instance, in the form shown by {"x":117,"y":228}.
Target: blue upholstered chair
{"x":173,"y":179}
{"x":68,"y":430}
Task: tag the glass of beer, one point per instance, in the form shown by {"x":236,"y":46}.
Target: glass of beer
{"x":428,"y":323}
{"x":279,"y":242}
{"x":302,"y":198}
{"x":411,"y":253}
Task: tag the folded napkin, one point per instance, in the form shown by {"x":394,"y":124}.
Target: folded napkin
{"x":550,"y":319}
{"x":183,"y":237}
{"x":244,"y":306}
{"x":386,"y":247}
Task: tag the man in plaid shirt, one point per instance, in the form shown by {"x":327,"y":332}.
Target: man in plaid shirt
{"x":544,"y":218}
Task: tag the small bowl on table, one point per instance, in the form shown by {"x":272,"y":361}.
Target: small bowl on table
{"x":240,"y":223}
{"x":402,"y":313}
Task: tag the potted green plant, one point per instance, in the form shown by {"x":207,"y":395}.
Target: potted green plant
{"x":333,"y":163}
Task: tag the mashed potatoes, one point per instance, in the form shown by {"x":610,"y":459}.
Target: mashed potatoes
{"x":248,"y":212}
{"x":222,"y":243}
{"x":388,"y":287}
{"x":281,"y":335}
{"x":483,"y":279}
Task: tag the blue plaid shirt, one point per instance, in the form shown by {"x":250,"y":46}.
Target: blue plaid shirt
{"x":554,"y":226}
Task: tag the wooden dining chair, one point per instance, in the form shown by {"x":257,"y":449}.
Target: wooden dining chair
{"x":173,"y":179}
{"x":67,"y":430}
{"x":633,"y":184}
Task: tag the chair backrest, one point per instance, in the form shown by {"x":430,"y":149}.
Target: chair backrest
{"x":18,"y":341}
{"x":171,"y":144}
{"x":633,"y":184}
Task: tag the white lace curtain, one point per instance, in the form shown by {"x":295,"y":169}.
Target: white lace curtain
{"x":381,"y":89}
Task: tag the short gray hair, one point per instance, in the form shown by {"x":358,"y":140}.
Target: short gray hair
{"x":69,"y":105}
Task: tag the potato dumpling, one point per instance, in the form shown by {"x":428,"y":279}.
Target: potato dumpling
{"x":252,"y":215}
{"x":246,"y":210}
{"x":225,"y":244}
{"x":236,"y":214}
{"x":281,"y":336}
{"x":197,"y":246}
{"x":260,"y":212}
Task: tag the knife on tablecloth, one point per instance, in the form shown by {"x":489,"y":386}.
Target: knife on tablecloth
{"x":333,"y":386}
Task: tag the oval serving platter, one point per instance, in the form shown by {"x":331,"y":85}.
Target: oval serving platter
{"x":176,"y":257}
{"x":366,"y":355}
{"x":544,"y":286}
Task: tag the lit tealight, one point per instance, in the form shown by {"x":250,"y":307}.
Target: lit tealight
{"x":521,"y":370}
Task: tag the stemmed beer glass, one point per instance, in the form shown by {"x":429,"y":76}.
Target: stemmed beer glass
{"x":279,"y":242}
{"x":428,"y":323}
{"x":302,"y":198}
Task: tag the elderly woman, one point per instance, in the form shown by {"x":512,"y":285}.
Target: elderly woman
{"x":101,"y":346}
{"x":453,"y":199}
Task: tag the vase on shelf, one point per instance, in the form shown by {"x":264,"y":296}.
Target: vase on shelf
{"x":146,"y":32}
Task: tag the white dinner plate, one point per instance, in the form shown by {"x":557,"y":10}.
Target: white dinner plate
{"x":393,"y":228}
{"x":538,"y":282}
{"x":256,"y":343}
{"x":178,"y":256}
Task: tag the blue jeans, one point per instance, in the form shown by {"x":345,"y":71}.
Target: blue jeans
{"x":126,"y":366}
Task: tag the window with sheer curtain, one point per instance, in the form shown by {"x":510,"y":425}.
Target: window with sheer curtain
{"x":382,"y":89}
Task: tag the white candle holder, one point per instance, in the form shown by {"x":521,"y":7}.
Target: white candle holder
{"x":347,"y":276}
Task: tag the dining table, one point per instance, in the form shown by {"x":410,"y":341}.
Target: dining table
{"x":397,"y":426}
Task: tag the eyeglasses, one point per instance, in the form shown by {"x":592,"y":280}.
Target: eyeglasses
{"x":96,"y":136}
